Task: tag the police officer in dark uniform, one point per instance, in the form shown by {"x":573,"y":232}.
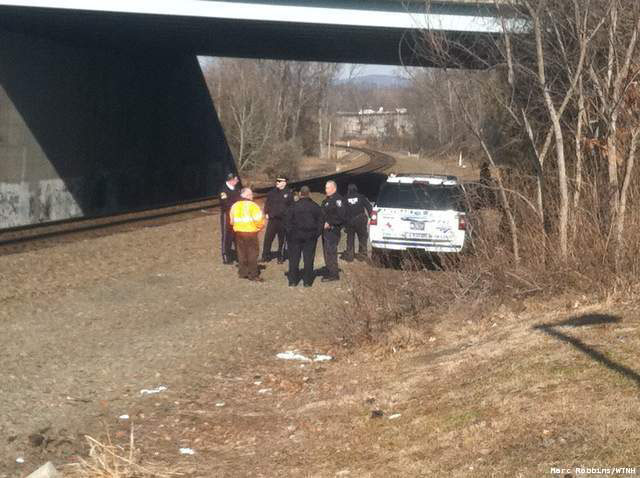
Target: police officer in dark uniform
{"x":334,"y":216}
{"x":304,"y":223}
{"x":275,"y":208}
{"x":229,"y":194}
{"x":357,"y":215}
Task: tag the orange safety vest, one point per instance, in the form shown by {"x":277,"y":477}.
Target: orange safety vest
{"x":246,"y":216}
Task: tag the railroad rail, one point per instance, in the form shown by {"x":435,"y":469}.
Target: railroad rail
{"x":19,"y":239}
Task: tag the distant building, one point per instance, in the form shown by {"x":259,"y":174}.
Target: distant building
{"x":380,"y":125}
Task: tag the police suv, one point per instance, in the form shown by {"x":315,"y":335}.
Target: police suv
{"x":419,"y":212}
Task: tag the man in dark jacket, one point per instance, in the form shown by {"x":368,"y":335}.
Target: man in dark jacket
{"x":334,"y":216}
{"x":229,"y":195}
{"x":304,"y":221}
{"x":357,"y":215}
{"x":278,"y":201}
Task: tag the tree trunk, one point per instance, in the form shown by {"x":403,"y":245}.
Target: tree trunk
{"x":563,"y":216}
{"x":620,"y":218}
{"x":241,"y":148}
{"x":612,"y":163}
{"x":579,"y":159}
{"x":320,"y":131}
{"x":513,"y":229}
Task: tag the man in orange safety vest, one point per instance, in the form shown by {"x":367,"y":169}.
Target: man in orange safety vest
{"x":247,"y":220}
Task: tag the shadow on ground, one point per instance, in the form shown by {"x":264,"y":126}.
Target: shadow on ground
{"x":551,"y":329}
{"x":413,"y":261}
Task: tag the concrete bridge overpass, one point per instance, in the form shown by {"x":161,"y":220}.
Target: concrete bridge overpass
{"x":103,"y":106}
{"x":369,"y":31}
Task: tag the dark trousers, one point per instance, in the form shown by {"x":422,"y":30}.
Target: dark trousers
{"x":275,"y":227}
{"x":357,"y":226}
{"x":248,"y":251}
{"x":330,"y":240}
{"x":227,"y":237}
{"x":305,"y":247}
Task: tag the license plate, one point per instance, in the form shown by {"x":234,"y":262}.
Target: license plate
{"x":417,"y":226}
{"x":415,"y":235}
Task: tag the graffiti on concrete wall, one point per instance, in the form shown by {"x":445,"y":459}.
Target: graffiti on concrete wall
{"x":14,"y":204}
{"x":43,"y":201}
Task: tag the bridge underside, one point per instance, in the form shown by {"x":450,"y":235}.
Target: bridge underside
{"x":148,"y":33}
{"x":107,"y":112}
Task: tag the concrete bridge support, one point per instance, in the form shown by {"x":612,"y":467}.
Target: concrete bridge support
{"x":86,"y":130}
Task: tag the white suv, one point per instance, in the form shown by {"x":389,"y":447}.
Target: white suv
{"x":419,"y":212}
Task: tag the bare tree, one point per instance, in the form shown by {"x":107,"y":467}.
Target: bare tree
{"x":567,"y":85}
{"x":271,"y":108}
{"x":612,"y":79}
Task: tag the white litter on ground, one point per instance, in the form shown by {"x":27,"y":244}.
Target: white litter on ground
{"x":263,"y":391}
{"x":322,"y":358}
{"x":394,"y":416}
{"x":220,"y":404}
{"x":152,"y":391}
{"x":124,"y":417}
{"x":187,"y":451}
{"x":293,"y":355}
{"x":20,"y":460}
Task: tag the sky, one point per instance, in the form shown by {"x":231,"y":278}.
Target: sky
{"x":381,"y":70}
{"x":362,"y":71}
{"x":378,"y":70}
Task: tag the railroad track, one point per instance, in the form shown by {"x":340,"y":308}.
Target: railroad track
{"x":20,"y":239}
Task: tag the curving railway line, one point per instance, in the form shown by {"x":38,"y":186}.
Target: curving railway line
{"x":19,"y":239}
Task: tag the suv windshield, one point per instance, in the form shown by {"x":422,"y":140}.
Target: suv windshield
{"x":421,"y":196}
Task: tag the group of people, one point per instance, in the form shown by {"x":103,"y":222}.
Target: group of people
{"x":298,"y":222}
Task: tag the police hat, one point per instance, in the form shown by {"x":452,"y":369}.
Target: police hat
{"x":230,"y":176}
{"x":282,"y":178}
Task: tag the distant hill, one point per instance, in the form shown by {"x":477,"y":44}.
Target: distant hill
{"x":379,"y":81}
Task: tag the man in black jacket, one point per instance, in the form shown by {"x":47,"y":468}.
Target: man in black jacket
{"x":304,"y":221}
{"x":278,"y":201}
{"x":229,"y":195}
{"x":334,"y":215}
{"x":357,"y":215}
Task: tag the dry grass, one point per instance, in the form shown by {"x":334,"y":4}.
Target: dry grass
{"x":508,"y":370}
{"x":386,"y":306}
{"x":107,"y":460}
{"x":511,"y":394}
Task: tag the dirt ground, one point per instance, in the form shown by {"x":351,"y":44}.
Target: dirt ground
{"x":87,"y":326}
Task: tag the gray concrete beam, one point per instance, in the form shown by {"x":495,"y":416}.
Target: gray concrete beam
{"x":288,"y":32}
{"x":86,"y":131}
